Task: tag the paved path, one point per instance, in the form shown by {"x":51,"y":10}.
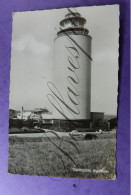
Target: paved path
{"x":60,"y":134}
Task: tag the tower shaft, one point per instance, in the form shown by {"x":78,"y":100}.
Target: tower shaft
{"x":72,"y":70}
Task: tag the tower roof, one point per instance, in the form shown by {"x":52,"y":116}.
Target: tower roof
{"x":74,"y":19}
{"x":73,"y":23}
{"x":72,"y":14}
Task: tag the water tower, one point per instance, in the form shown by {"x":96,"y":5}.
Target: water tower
{"x":72,"y":70}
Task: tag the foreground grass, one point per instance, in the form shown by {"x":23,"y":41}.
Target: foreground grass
{"x":41,"y":156}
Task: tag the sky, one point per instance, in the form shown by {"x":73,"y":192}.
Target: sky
{"x":32,"y":56}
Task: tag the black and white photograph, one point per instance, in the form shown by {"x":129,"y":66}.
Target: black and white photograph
{"x":64,"y":92}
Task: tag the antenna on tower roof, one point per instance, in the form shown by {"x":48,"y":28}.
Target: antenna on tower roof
{"x":75,"y":10}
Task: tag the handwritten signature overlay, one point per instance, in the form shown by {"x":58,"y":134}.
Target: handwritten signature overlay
{"x":56,"y":99}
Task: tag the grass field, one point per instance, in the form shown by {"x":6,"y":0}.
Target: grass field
{"x":59,"y":157}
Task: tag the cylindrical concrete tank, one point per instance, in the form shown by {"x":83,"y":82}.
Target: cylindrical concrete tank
{"x":72,"y":73}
